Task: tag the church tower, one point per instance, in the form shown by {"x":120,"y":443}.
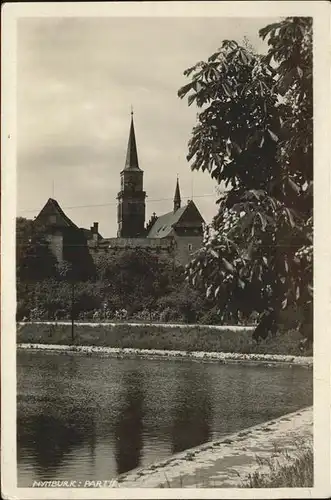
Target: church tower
{"x":131,"y":198}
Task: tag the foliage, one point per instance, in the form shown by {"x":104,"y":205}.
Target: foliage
{"x":183,"y":304}
{"x":76,"y":255}
{"x":188,"y":339}
{"x":255,"y":135}
{"x":130,"y":285}
{"x":34,"y":260}
{"x":138,"y":278}
{"x":298,"y":473}
{"x":211,"y":317}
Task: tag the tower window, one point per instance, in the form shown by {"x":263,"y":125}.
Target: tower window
{"x":190,"y":247}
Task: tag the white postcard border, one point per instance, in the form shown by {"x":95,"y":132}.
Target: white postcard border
{"x":320,"y":11}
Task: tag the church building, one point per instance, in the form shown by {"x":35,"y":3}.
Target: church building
{"x":177,"y":234}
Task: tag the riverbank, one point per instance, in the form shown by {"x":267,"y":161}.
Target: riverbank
{"x":220,"y":357}
{"x":183,"y":326}
{"x":231,"y":461}
{"x":183,"y":338}
{"x":297,"y":474}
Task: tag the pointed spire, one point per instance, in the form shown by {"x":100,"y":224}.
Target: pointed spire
{"x":131,"y":161}
{"x":177,"y":200}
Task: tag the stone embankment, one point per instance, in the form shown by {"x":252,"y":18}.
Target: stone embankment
{"x":221,"y":357}
{"x":229,"y":461}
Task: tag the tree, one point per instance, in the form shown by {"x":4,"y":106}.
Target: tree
{"x":183,"y":303}
{"x":138,"y":278}
{"x":77,"y":255}
{"x":255,"y":135}
{"x":34,"y":260}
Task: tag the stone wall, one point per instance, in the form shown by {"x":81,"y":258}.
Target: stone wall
{"x":109,"y":246}
{"x":178,"y":247}
{"x":153,"y":243}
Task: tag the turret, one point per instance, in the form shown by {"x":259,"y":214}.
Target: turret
{"x":177,"y":200}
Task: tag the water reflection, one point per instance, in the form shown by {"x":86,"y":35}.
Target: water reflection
{"x":92,"y":441}
{"x":49,"y":440}
{"x":129,"y":424}
{"x":193,"y":410}
{"x":82,"y":417}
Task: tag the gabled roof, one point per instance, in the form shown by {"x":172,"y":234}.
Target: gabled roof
{"x":131,"y":161}
{"x":164,"y":224}
{"x":167,"y":222}
{"x":52,"y":208}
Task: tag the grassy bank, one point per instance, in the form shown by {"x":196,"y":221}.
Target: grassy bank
{"x":299,"y":474}
{"x":153,"y":337}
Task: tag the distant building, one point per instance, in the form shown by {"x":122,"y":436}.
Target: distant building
{"x":67,"y":241}
{"x":177,"y":234}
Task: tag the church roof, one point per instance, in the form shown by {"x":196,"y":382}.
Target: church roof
{"x":52,"y":208}
{"x":131,"y":161}
{"x":177,"y":199}
{"x":165,"y":223}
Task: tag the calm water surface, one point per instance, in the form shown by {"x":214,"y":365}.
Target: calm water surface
{"x":94,"y":417}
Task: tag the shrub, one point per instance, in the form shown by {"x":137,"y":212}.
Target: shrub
{"x":211,"y":317}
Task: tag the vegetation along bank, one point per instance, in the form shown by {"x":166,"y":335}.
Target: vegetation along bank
{"x":189,"y":339}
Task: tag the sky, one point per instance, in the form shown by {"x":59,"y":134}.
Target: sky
{"x":76,"y":81}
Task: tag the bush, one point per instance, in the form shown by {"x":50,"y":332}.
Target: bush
{"x":168,"y":315}
{"x":159,"y":337}
{"x":184,"y":304}
{"x":212,"y":317}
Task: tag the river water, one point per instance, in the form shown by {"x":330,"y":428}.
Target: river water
{"x":91,"y":417}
